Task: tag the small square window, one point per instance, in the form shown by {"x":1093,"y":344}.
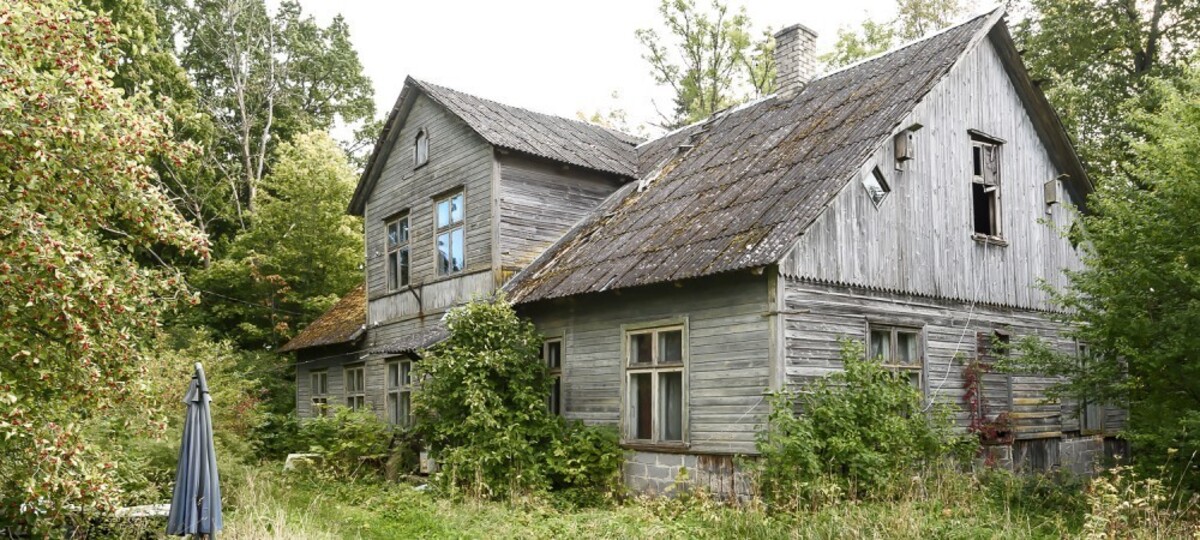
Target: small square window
{"x":899,"y":349}
{"x":877,"y":186}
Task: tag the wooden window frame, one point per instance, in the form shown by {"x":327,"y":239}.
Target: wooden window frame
{"x":893,"y":364}
{"x":655,"y":370}
{"x":422,"y":138}
{"x":355,"y":388}
{"x":988,"y":181}
{"x":448,"y":230}
{"x":1088,"y":408}
{"x":401,"y":246}
{"x":399,"y":387}
{"x":554,"y":401}
{"x":319,"y":380}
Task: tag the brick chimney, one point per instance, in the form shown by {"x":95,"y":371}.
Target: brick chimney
{"x":795,"y":58}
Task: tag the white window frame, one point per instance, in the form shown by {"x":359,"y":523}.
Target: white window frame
{"x":421,"y":148}
{"x":318,"y":385}
{"x":1091,"y":413}
{"x":354,"y":381}
{"x":989,"y":180}
{"x":893,"y":362}
{"x":655,"y":369}
{"x":448,"y":230}
{"x":554,"y":402}
{"x":398,"y":250}
{"x":399,"y":391}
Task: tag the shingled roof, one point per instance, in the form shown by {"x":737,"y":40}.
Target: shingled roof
{"x":572,"y":142}
{"x":737,"y":190}
{"x":343,"y":323}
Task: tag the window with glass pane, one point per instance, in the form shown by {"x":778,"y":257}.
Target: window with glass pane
{"x":319,"y":392}
{"x":552,"y":357}
{"x":655,"y":368}
{"x":397,"y":253}
{"x":356,"y":386}
{"x":399,"y":392}
{"x":450,"y":237}
{"x":421,"y":149}
{"x":900,"y":350}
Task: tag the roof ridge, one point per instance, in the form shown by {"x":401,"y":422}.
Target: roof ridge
{"x":616,"y":132}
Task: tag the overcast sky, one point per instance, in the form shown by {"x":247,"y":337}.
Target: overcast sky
{"x":553,"y":56}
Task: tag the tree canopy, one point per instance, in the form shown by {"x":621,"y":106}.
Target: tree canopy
{"x":914,"y":19}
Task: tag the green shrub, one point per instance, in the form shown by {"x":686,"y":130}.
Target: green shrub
{"x":482,"y":412}
{"x":352,"y":442}
{"x":585,"y":463}
{"x":859,"y":431}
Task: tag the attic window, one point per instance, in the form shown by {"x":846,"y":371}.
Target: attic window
{"x":421,"y":149}
{"x":877,"y":186}
{"x":985,"y":186}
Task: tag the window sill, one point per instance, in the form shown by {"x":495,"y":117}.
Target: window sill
{"x":666,"y":448}
{"x":988,"y":239}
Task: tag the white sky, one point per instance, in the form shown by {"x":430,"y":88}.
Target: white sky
{"x":553,"y":56}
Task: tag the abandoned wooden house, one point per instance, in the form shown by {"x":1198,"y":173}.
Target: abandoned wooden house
{"x":913,"y":201}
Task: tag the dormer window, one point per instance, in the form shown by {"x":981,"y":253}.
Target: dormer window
{"x":421,"y":149}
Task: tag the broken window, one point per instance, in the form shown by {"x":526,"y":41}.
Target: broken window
{"x":877,"y":186}
{"x":552,"y":357}
{"x":319,"y":392}
{"x":449,"y":222}
{"x":900,"y":350}
{"x":399,"y":392}
{"x":655,"y":385}
{"x":1091,"y":411}
{"x":985,"y":186}
{"x":397,"y":257}
{"x":421,"y":149}
{"x":355,"y":381}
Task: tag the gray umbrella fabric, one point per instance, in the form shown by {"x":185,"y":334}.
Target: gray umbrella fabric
{"x":196,"y":506}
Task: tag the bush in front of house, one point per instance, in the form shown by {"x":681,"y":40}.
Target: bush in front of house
{"x":482,"y":412}
{"x":351,"y":442}
{"x":854,"y":434}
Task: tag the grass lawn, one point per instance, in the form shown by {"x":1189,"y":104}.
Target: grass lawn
{"x":271,"y":505}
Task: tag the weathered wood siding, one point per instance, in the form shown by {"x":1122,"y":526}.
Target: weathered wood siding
{"x":458,"y":159}
{"x":728,"y":345}
{"x":539,"y":202}
{"x":919,"y":239}
{"x":818,"y":316}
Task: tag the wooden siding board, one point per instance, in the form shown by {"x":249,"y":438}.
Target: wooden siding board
{"x":728,"y":372}
{"x":919,"y":238}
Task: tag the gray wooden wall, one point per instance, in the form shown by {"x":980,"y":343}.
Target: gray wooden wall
{"x":728,"y":367}
{"x":919,"y":239}
{"x":539,"y":202}
{"x":458,"y":158}
{"x":818,"y":316}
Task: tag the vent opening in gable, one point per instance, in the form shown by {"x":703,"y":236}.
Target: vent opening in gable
{"x":877,"y":186}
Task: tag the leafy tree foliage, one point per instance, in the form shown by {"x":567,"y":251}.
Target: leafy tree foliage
{"x":79,"y":205}
{"x":1096,"y":60}
{"x":303,"y":251}
{"x":1137,"y":303}
{"x":267,"y":79}
{"x":914,"y":19}
{"x":710,"y":59}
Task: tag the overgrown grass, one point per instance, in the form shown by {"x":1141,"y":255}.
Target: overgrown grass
{"x":941,"y":506}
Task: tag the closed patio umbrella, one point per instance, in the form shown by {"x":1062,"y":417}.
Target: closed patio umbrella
{"x":196,"y":506}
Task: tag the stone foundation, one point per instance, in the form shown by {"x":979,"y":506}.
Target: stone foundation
{"x":655,"y":473}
